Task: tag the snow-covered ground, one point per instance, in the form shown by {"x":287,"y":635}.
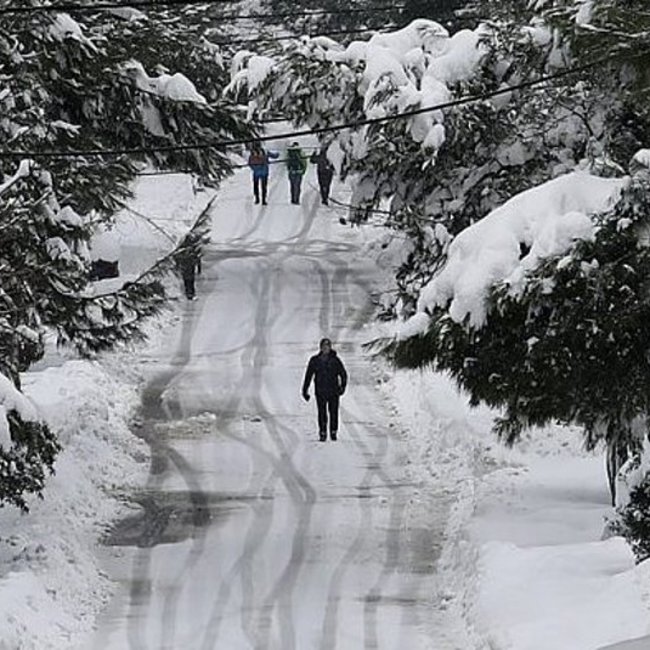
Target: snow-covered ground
{"x":250,"y":533}
{"x":417,"y":530}
{"x":525,"y":565}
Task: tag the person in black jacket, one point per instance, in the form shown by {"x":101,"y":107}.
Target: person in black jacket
{"x":188,"y":263}
{"x":331,"y":380}
{"x":325,"y":173}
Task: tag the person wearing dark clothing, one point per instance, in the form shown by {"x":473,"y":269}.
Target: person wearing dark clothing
{"x":258,"y":161}
{"x":325,"y":173}
{"x":296,"y":168}
{"x":330,"y":379}
{"x":189,"y":264}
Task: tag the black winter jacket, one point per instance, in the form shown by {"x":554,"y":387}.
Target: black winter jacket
{"x":330,"y":373}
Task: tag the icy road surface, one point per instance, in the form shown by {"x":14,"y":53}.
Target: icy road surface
{"x":251,"y":534}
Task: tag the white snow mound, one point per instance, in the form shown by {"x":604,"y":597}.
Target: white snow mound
{"x":546,"y":220}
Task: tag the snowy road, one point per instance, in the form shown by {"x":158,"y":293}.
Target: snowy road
{"x":252,"y":534}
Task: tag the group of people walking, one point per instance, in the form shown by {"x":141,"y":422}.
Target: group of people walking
{"x":297,"y":162}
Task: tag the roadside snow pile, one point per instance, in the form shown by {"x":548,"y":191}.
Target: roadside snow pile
{"x":524,"y":565}
{"x":546,"y":578}
{"x":534,"y":225}
{"x":446,"y":441}
{"x":51,"y":586}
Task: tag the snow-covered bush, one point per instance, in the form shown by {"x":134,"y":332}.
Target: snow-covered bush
{"x":632,"y":519}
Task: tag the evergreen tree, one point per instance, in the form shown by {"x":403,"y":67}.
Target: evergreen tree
{"x":570,"y":345}
{"x":79,"y":84}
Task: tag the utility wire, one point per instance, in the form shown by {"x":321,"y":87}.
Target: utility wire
{"x":161,"y":4}
{"x":134,"y":4}
{"x":310,"y":13}
{"x":215,"y":144}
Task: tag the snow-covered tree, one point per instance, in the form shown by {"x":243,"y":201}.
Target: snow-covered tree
{"x":78,"y":84}
{"x":540,"y":311}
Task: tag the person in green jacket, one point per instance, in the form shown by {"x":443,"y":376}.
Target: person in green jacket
{"x":296,"y":167}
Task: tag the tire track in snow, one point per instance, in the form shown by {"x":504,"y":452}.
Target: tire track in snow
{"x":376,"y":459}
{"x":302,"y":493}
{"x":156,"y":409}
{"x":393,"y":543}
{"x":329,"y":630}
{"x":259,"y":528}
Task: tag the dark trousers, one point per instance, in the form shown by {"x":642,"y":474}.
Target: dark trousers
{"x":328,"y":406}
{"x":295,"y":182}
{"x":325,"y":184}
{"x":262,"y":181}
{"x":189,"y":283}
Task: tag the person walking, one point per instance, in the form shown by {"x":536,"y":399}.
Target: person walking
{"x":296,"y":167}
{"x":189,"y":264}
{"x":325,"y":173}
{"x":331,"y":380}
{"x":258,"y":161}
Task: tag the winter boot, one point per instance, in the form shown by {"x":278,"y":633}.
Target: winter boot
{"x":323,"y":436}
{"x":333,"y":435}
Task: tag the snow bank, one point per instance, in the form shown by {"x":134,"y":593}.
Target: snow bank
{"x":51,"y":586}
{"x":571,"y":597}
{"x":545,"y":220}
{"x":547,"y":580}
{"x":161,"y":212}
{"x":444,"y":438}
{"x":523,"y":566}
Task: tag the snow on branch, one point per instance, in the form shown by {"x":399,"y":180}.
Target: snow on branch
{"x":11,"y":399}
{"x":511,"y":240}
{"x":24,"y":169}
{"x":176,"y":87}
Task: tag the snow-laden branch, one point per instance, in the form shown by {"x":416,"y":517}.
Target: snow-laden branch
{"x":24,"y":170}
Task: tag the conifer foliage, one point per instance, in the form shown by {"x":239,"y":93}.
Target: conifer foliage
{"x":88,"y":82}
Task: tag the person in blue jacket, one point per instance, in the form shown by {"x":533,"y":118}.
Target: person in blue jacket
{"x":258,"y":161}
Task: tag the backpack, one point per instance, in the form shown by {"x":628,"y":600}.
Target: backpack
{"x":257,"y":158}
{"x":294,"y":160}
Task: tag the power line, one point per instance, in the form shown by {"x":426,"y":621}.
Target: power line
{"x":315,"y":12}
{"x":247,"y":41}
{"x":215,"y":144}
{"x":135,"y":4}
{"x":161,"y":4}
